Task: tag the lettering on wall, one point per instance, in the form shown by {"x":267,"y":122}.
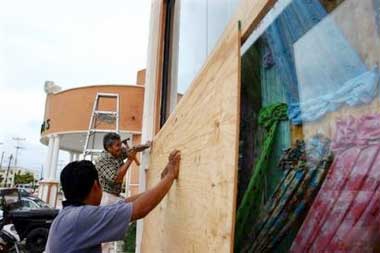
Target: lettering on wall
{"x":45,"y":125}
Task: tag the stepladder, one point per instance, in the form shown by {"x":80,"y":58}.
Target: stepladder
{"x":104,"y":119}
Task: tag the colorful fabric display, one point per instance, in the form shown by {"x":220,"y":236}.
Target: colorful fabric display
{"x":345,"y":216}
{"x":278,"y":79}
{"x":360,"y":90}
{"x":330,"y":73}
{"x":304,"y":171}
{"x":269,"y":117}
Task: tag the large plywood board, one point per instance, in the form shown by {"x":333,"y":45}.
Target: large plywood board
{"x":250,"y":13}
{"x":198,"y":214}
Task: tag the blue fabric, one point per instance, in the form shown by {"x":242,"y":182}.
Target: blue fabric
{"x":376,"y":4}
{"x":330,"y":74}
{"x":357,"y":91}
{"x":298,"y":18}
{"x":326,"y":62}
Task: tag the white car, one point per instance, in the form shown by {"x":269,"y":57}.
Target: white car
{"x":33,"y":203}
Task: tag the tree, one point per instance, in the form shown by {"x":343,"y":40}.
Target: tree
{"x":129,"y":244}
{"x":24,"y":178}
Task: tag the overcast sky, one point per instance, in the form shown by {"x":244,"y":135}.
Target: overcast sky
{"x":71,"y":42}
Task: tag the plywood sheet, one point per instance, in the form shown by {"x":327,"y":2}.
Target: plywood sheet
{"x":198,"y":213}
{"x":250,"y":13}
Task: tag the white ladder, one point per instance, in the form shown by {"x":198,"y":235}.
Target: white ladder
{"x":99,"y":116}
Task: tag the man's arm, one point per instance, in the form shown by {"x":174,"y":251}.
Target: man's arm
{"x":110,"y":223}
{"x":148,"y":200}
{"x":130,"y":153}
{"x":123,"y":170}
{"x":133,"y":198}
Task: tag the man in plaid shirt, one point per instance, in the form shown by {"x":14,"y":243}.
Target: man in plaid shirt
{"x":111,"y":166}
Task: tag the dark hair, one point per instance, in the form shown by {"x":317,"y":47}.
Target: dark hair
{"x":77,"y":179}
{"x":109,"y":139}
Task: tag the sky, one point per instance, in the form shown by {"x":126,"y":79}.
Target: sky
{"x":73,"y":43}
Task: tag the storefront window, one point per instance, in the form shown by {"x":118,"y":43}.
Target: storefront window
{"x":192,"y":29}
{"x":199,"y":24}
{"x":309,"y":178}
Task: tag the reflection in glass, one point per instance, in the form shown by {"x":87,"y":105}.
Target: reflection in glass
{"x":320,"y":58}
{"x":199,"y":26}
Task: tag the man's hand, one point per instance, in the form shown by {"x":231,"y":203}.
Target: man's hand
{"x":145,"y":202}
{"x":142,"y":147}
{"x":131,"y":155}
{"x":172,"y":168}
{"x":138,"y":147}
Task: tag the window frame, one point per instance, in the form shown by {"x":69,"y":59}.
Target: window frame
{"x":166,"y":80}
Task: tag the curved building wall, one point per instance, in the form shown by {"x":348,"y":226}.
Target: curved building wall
{"x":70,"y":110}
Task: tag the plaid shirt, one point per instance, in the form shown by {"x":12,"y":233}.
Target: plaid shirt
{"x":107,"y":167}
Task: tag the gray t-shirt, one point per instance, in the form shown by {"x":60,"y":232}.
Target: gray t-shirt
{"x":78,"y":229}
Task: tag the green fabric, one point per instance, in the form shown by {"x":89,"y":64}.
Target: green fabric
{"x":269,"y":117}
{"x":273,"y":91}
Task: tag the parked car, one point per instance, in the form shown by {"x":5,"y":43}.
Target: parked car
{"x":33,"y":203}
{"x":32,"y":225}
{"x":23,"y":192}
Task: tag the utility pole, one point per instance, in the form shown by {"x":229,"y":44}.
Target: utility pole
{"x":41,"y":172}
{"x":1,"y":161}
{"x":9,"y":167}
{"x":2,"y":157}
{"x":18,"y":147}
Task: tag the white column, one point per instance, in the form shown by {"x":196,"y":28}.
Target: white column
{"x":54,"y":159}
{"x":48,"y":188}
{"x":48,"y":158}
{"x":13,"y":178}
{"x":76,"y":156}
{"x":71,"y":159}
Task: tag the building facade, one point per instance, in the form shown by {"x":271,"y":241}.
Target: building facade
{"x":260,"y":77}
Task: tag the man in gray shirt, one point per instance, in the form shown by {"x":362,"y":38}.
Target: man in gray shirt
{"x":83,"y":225}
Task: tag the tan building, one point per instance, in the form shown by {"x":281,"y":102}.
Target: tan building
{"x":7,"y":181}
{"x":66,"y":126}
{"x":13,"y":171}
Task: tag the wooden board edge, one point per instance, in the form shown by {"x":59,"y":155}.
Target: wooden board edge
{"x":237,"y":141}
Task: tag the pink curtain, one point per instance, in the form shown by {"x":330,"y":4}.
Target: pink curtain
{"x":345,"y":215}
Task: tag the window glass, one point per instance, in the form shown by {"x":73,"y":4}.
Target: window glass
{"x":42,"y":204}
{"x":219,"y":13}
{"x":192,"y":40}
{"x":309,"y":158}
{"x":11,"y":197}
{"x":199,"y":25}
{"x":26,"y":203}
